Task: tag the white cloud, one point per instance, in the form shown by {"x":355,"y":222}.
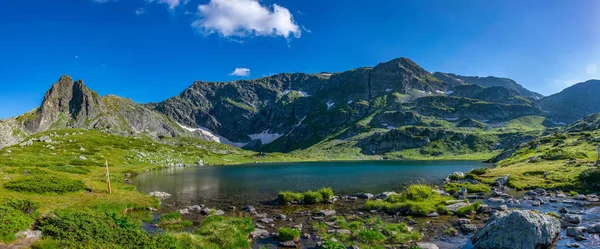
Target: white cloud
{"x":171,"y":3}
{"x":245,"y":18}
{"x":140,"y":11}
{"x":591,"y":69}
{"x":305,"y":29}
{"x":100,"y":1}
{"x":243,"y":72}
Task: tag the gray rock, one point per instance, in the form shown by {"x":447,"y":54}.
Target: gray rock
{"x":259,"y":233}
{"x":573,"y":245}
{"x":464,"y":221}
{"x":503,"y":181}
{"x":468,"y":228}
{"x":327,"y":212}
{"x":364,"y":195}
{"x":282,"y":216}
{"x":454,"y":207}
{"x":195,"y":208}
{"x":218,"y":212}
{"x":160,"y":195}
{"x":250,"y":209}
{"x":427,"y":245}
{"x":575,"y":231}
{"x":433,"y":214}
{"x":288,"y":244}
{"x":384,"y":195}
{"x":580,"y":197}
{"x":184,"y":211}
{"x":200,"y":163}
{"x":563,"y":210}
{"x":572,"y":218}
{"x":82,"y":157}
{"x":594,"y":228}
{"x":518,"y":229}
{"x":30,"y":234}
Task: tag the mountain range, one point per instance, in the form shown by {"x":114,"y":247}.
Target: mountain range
{"x":383,"y":110}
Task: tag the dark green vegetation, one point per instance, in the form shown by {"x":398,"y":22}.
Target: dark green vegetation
{"x":365,"y":233}
{"x":308,"y":197}
{"x":172,"y":221}
{"x":103,"y":230}
{"x":558,"y":159}
{"x":468,"y":210}
{"x":45,"y":184}
{"x":287,"y":234}
{"x":417,"y":200}
{"x":15,"y":215}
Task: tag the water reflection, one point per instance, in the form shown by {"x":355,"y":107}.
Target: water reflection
{"x":247,"y":184}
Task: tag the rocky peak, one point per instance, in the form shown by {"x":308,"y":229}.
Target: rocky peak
{"x":403,"y":75}
{"x":65,"y":99}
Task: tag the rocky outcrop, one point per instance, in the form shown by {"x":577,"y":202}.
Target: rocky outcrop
{"x":70,"y":104}
{"x":489,"y":81}
{"x":573,"y":103}
{"x":518,"y":229}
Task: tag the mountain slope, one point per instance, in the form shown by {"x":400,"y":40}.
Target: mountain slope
{"x":257,"y":112}
{"x":70,"y":104}
{"x":490,"y":81}
{"x":573,"y":102}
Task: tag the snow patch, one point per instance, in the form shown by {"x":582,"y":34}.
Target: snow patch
{"x":211,"y":136}
{"x":349,"y":101}
{"x":330,"y":104}
{"x":265,"y":137}
{"x":451,"y":119}
{"x":304,"y":94}
{"x":484,"y":120}
{"x":448,"y":92}
{"x":389,"y":127}
{"x":388,"y":90}
{"x":299,"y":123}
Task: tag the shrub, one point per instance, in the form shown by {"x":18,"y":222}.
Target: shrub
{"x":328,"y":244}
{"x":45,"y":184}
{"x":173,"y":221}
{"x":590,"y":178}
{"x":287,"y":234}
{"x":11,"y":222}
{"x":287,"y":197}
{"x":467,"y":210}
{"x":471,"y":188}
{"x":225,"y":232}
{"x":327,"y":193}
{"x":25,"y":206}
{"x":557,"y":154}
{"x":312,"y":197}
{"x":479,"y":171}
{"x":370,"y":236}
{"x":416,"y":200}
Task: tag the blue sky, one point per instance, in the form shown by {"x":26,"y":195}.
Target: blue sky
{"x":149,"y":50}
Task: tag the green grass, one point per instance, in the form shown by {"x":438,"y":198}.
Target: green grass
{"x":15,"y":215}
{"x":225,"y":232}
{"x":308,"y":197}
{"x":287,"y":234}
{"x":173,"y":222}
{"x":467,"y":210}
{"x":417,"y":200}
{"x":471,"y":188}
{"x":45,"y":184}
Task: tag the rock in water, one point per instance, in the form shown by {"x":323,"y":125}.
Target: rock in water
{"x":518,"y":229}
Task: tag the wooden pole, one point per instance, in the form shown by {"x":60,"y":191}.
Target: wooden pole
{"x":108,"y":178}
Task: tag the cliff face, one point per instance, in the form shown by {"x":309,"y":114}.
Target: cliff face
{"x":70,"y":104}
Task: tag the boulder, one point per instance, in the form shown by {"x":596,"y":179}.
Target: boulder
{"x":160,"y":195}
{"x":575,"y":231}
{"x":502,"y":181}
{"x":454,"y":207}
{"x":364,"y":195}
{"x":572,"y":218}
{"x":327,"y":212}
{"x":468,"y":228}
{"x":288,"y":244}
{"x":594,"y":228}
{"x":258,"y":233}
{"x":427,"y":245}
{"x":518,"y":229}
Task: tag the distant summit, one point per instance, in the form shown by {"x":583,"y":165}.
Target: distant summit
{"x":490,"y":81}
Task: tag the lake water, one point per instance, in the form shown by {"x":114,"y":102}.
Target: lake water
{"x":253,"y":183}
